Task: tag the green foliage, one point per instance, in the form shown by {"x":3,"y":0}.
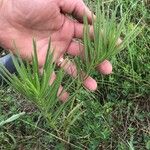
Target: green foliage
{"x":36,"y":87}
{"x":12,"y":118}
{"x":115,"y":117}
{"x":148,"y":145}
{"x":106,"y":42}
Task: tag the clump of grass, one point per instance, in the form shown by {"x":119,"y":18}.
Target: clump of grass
{"x":106,"y":41}
{"x":36,"y":87}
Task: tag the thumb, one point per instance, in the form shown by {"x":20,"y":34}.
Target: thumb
{"x":77,"y":8}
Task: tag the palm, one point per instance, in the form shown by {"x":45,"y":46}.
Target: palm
{"x":42,"y":22}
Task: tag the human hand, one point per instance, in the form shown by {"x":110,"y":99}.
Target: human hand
{"x":25,"y":19}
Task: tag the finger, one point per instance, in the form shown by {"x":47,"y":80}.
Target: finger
{"x":77,"y":8}
{"x":75,"y":48}
{"x":79,"y":30}
{"x":62,"y":94}
{"x":70,"y":68}
{"x":105,"y":67}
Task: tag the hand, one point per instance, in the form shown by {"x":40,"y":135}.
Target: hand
{"x":21,"y":20}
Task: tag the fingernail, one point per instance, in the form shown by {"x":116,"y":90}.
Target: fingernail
{"x":105,"y":67}
{"x":90,"y":84}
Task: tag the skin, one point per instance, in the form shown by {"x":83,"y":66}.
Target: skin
{"x":21,"y":20}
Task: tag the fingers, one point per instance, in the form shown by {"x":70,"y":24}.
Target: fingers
{"x":71,"y":69}
{"x":77,"y":8}
{"x":79,"y":32}
{"x":77,"y":49}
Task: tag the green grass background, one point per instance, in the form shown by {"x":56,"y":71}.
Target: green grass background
{"x":116,"y":116}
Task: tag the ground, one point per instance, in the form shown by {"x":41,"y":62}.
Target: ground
{"x":116,"y":116}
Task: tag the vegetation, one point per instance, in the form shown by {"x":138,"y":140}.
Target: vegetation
{"x":116,"y":116}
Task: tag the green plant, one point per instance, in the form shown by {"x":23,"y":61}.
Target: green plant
{"x":36,"y":87}
{"x":106,"y":41}
{"x":11,"y":119}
